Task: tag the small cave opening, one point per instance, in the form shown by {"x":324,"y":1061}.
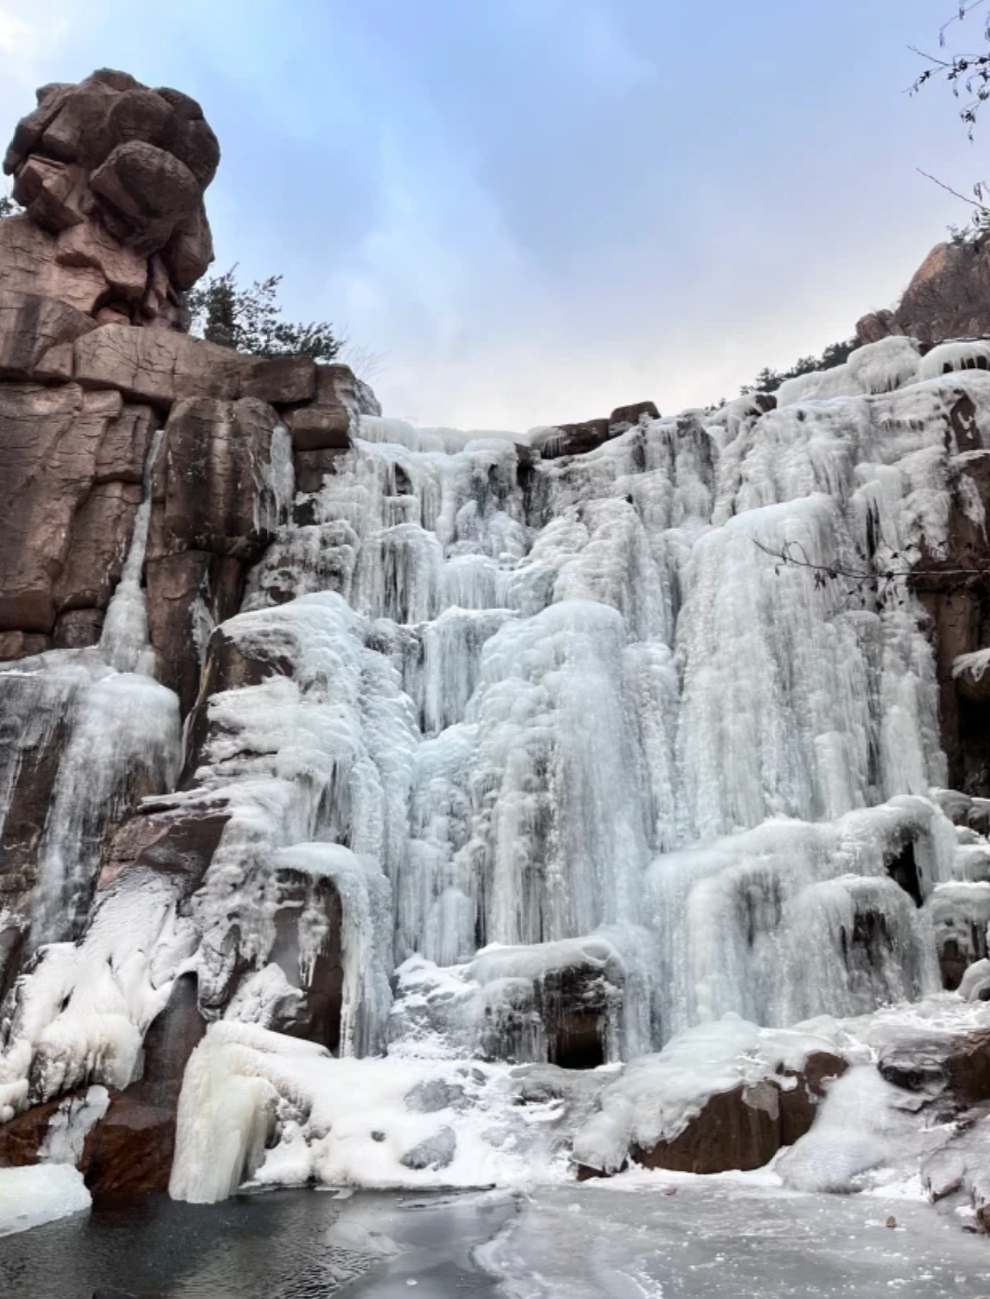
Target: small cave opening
{"x":573,"y":1004}
{"x":579,"y":1042}
{"x":903,"y":870}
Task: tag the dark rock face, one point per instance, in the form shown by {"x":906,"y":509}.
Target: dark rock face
{"x":743,"y":1128}
{"x":130,"y":1149}
{"x":957,"y":604}
{"x":953,"y":1070}
{"x":947,"y":297}
{"x":49,"y":443}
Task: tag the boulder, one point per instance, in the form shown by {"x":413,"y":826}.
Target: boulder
{"x":110,"y":173}
{"x":736,"y":1129}
{"x":52,"y":193}
{"x":744,"y":1127}
{"x":953,"y":1070}
{"x":576,"y":439}
{"x":149,"y":188}
{"x":129,"y":1150}
{"x":434,"y":1153}
{"x":338,"y":384}
{"x":19,"y":644}
{"x":633,"y":413}
{"x":189,"y":251}
{"x":23,"y":1136}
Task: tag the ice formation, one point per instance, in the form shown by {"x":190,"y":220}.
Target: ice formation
{"x":39,"y":1193}
{"x":584,"y":740}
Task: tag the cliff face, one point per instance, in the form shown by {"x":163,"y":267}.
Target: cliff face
{"x":347,"y":765}
{"x":948,"y":297}
{"x":142,"y":473}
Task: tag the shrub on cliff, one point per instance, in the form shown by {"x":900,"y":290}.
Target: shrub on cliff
{"x":770,"y":380}
{"x":250,"y":320}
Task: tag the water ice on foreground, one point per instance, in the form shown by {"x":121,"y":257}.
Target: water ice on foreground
{"x":652,"y":1236}
{"x":727,"y":1238}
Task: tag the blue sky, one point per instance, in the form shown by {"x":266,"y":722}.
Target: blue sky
{"x":532,"y":211}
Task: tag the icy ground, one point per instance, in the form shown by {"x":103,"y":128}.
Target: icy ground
{"x":731,"y":1237}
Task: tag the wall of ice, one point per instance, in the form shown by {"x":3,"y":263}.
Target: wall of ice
{"x":596,"y":729}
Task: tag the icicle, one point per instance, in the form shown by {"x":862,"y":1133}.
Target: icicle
{"x":124,"y":642}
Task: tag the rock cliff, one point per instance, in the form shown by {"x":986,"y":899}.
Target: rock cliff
{"x":139,"y":463}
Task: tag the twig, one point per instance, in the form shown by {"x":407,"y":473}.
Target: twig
{"x":955,"y":193}
{"x":786,"y":556}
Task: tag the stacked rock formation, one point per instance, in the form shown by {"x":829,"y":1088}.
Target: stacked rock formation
{"x":111,"y":175}
{"x":93,"y":361}
{"x":106,"y":402}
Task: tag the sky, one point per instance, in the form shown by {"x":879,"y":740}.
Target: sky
{"x":528,"y":212}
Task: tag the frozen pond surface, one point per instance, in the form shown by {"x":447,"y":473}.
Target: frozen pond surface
{"x":703,"y":1240}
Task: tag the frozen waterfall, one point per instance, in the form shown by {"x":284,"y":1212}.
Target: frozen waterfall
{"x":577,"y":743}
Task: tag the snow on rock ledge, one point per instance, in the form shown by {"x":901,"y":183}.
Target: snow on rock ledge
{"x":719,"y":1096}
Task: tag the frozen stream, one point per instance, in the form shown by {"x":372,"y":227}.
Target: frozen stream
{"x":711,"y":1239}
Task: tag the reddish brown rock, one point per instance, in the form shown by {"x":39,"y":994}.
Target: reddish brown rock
{"x":49,"y":440}
{"x":149,"y":188}
{"x":183,"y":589}
{"x":28,"y":264}
{"x":737,"y":1129}
{"x":130,"y":1149}
{"x":874,"y":326}
{"x":101,"y":532}
{"x":745,"y":1127}
{"x":22,"y":1136}
{"x":282,"y":381}
{"x":947,"y":297}
{"x":157,"y":366}
{"x":968,"y":1068}
{"x":52,"y":192}
{"x":110,"y":172}
{"x":30,"y":326}
{"x":320,"y":428}
{"x":91,"y":245}
{"x":125,"y":445}
{"x":217,"y":474}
